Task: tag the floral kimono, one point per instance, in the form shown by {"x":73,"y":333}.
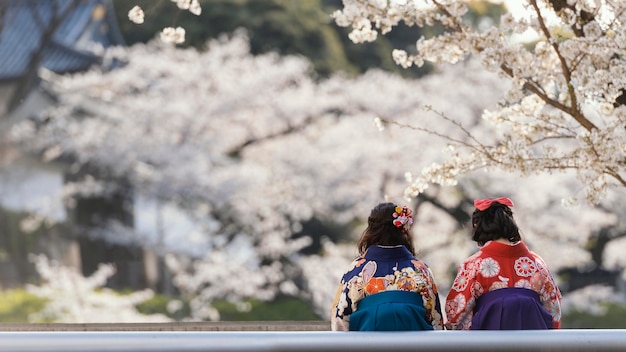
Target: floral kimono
{"x":387,"y":288}
{"x":503,"y":287}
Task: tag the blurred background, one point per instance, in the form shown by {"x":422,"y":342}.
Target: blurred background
{"x":228,"y":177}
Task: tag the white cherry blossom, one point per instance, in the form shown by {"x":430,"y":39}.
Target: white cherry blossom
{"x":574,"y":73}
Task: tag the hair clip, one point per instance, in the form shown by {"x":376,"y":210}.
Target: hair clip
{"x":402,"y":216}
{"x":484,"y":204}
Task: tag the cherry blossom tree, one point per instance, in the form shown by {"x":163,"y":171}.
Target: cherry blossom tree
{"x":253,"y":147}
{"x":564,"y":108}
{"x":249,"y":146}
{"x":72,"y":298}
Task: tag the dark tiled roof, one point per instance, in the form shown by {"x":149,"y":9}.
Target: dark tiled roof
{"x":74,"y":46}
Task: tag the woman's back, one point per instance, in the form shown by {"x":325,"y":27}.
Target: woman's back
{"x":387,"y":287}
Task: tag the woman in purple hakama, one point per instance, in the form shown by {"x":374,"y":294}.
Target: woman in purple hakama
{"x":504,"y":286}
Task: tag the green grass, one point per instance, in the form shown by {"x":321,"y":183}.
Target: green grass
{"x":284,"y":308}
{"x":613,"y":319}
{"x":16,"y":305}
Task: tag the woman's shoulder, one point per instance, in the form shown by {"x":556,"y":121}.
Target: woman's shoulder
{"x":420,"y":265}
{"x":479,"y":254}
{"x":538,"y":259}
{"x":357,"y":262}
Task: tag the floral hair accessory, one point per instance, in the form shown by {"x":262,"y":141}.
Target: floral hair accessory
{"x":402,"y":216}
{"x":484,"y":204}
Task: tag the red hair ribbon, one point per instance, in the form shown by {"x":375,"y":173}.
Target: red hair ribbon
{"x":484,"y":204}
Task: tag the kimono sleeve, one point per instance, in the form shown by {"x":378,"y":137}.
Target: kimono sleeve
{"x":549,"y":293}
{"x":339,"y":320}
{"x":460,"y":301}
{"x":433,"y":305}
{"x":345,"y":302}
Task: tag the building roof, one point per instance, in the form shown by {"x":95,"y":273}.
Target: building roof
{"x":76,"y":45}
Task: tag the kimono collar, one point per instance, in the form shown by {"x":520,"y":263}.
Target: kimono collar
{"x":398,"y":252}
{"x":505,"y":250}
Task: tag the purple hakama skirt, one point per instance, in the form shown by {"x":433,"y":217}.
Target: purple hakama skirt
{"x":510,"y":308}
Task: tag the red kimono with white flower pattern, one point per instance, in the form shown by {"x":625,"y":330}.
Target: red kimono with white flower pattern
{"x":496,"y":266}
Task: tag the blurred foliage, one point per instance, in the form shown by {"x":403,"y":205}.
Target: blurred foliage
{"x":283,"y":308}
{"x":158,"y":305}
{"x":16,"y":305}
{"x":16,"y":245}
{"x":484,"y":12}
{"x":302,"y":27}
{"x":612,"y":319}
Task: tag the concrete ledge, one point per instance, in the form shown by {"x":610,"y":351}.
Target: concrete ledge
{"x":299,"y":341}
{"x":195,"y":326}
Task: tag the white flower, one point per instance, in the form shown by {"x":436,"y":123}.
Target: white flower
{"x":136,"y":15}
{"x":507,"y":21}
{"x":378,"y":122}
{"x":195,"y":8}
{"x":381,"y":4}
{"x":183,"y":4}
{"x":571,"y":202}
{"x":173,"y":35}
{"x":401,"y":58}
{"x":592,"y":30}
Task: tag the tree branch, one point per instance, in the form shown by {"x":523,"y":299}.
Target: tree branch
{"x":573,"y":110}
